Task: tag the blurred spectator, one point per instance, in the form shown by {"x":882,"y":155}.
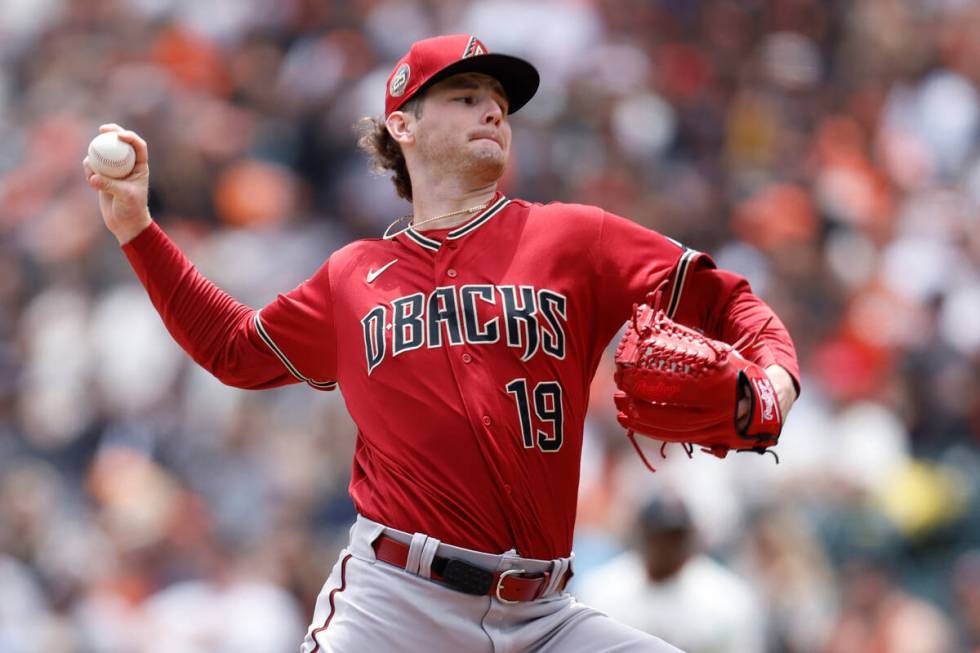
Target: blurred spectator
{"x":965,"y":576}
{"x":878,"y":616}
{"x":667,"y":586}
{"x":792,"y":573}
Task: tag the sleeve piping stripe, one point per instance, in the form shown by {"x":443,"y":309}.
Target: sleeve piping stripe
{"x":679,"y":278}
{"x":323,"y":385}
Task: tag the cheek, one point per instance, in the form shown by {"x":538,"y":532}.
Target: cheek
{"x":507,"y":136}
{"x":435,"y":137}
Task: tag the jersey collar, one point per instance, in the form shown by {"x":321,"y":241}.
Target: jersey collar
{"x":431,"y":244}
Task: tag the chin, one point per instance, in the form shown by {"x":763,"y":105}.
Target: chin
{"x":488,"y":165}
{"x":489,"y":172}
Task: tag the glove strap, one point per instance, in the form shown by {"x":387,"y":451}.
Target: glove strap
{"x":765,"y":419}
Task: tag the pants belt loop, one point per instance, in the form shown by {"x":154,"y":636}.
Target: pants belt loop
{"x":415,"y":553}
{"x":570,"y":570}
{"x":559,"y":569}
{"x":428,"y":554}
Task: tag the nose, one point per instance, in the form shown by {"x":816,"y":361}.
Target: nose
{"x":494,"y":114}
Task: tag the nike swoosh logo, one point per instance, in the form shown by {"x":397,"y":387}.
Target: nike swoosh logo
{"x":374,"y":274}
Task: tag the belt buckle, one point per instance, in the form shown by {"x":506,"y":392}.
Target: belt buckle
{"x":500,"y":584}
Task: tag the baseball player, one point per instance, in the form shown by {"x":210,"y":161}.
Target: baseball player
{"x":463,"y":341}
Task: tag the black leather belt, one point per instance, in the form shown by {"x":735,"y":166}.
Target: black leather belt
{"x":509,"y":586}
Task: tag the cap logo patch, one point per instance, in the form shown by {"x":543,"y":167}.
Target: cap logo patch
{"x":473,"y":48}
{"x":399,"y":80}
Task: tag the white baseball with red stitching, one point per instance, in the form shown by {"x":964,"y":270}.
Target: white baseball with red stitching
{"x":109,"y":156}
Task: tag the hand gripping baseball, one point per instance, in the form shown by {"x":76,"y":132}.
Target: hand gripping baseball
{"x":123,"y":202}
{"x":677,"y":385}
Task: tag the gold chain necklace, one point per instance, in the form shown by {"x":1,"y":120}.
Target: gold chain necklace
{"x":415,"y":224}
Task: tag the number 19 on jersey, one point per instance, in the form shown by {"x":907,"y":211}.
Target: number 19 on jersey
{"x":545,"y":399}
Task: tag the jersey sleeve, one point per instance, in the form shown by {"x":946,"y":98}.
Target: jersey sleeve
{"x":218,"y":332}
{"x":722,"y":305}
{"x":298,"y":327}
{"x":631,"y":261}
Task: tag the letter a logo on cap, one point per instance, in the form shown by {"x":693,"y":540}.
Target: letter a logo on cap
{"x":473,"y":48}
{"x":400,"y":80}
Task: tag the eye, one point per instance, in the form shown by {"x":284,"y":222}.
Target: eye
{"x":465,"y":99}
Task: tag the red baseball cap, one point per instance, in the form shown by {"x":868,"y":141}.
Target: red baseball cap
{"x":431,"y":60}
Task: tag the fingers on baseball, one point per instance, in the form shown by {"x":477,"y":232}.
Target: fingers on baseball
{"x":138,"y":144}
{"x":89,"y":173}
{"x":98,"y":182}
{"x":131,"y":137}
{"x":94,"y":179}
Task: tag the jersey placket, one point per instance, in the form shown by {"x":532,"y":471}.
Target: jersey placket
{"x":474,"y":382}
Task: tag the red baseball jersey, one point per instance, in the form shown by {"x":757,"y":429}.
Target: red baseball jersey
{"x":464,"y":356}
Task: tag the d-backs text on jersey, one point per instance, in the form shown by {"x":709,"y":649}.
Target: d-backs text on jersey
{"x":529,"y":319}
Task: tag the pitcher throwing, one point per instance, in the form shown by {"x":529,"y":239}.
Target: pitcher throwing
{"x":464,"y":341}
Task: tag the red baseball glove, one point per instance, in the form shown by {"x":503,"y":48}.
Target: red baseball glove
{"x":678,"y":385}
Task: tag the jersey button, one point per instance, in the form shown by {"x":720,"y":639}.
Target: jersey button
{"x":451,"y":273}
{"x":467,"y":358}
{"x":507,"y":488}
{"x":453,"y":246}
{"x":487,"y":421}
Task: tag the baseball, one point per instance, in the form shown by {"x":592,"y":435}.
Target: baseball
{"x":109,"y":156}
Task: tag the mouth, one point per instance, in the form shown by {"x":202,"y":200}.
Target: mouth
{"x":487,"y":137}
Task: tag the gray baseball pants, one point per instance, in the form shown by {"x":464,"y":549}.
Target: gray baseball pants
{"x":369,"y":606}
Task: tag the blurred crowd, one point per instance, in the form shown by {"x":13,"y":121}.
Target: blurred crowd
{"x":827,"y":150}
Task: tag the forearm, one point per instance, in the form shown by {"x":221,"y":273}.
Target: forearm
{"x":746,"y":316}
{"x":722,"y":304}
{"x":210,"y":325}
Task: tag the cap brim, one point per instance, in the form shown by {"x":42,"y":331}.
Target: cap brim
{"x":518,"y":77}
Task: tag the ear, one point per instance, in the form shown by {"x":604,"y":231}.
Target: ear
{"x":401,"y":126}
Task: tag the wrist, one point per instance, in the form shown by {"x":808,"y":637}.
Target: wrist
{"x":130,"y":229}
{"x":784,"y":386}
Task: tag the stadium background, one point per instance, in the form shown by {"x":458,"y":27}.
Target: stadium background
{"x":828,"y":150}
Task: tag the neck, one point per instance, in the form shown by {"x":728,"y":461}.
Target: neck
{"x":430,"y":202}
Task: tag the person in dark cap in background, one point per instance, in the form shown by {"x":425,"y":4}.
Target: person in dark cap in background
{"x":665,"y":581}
